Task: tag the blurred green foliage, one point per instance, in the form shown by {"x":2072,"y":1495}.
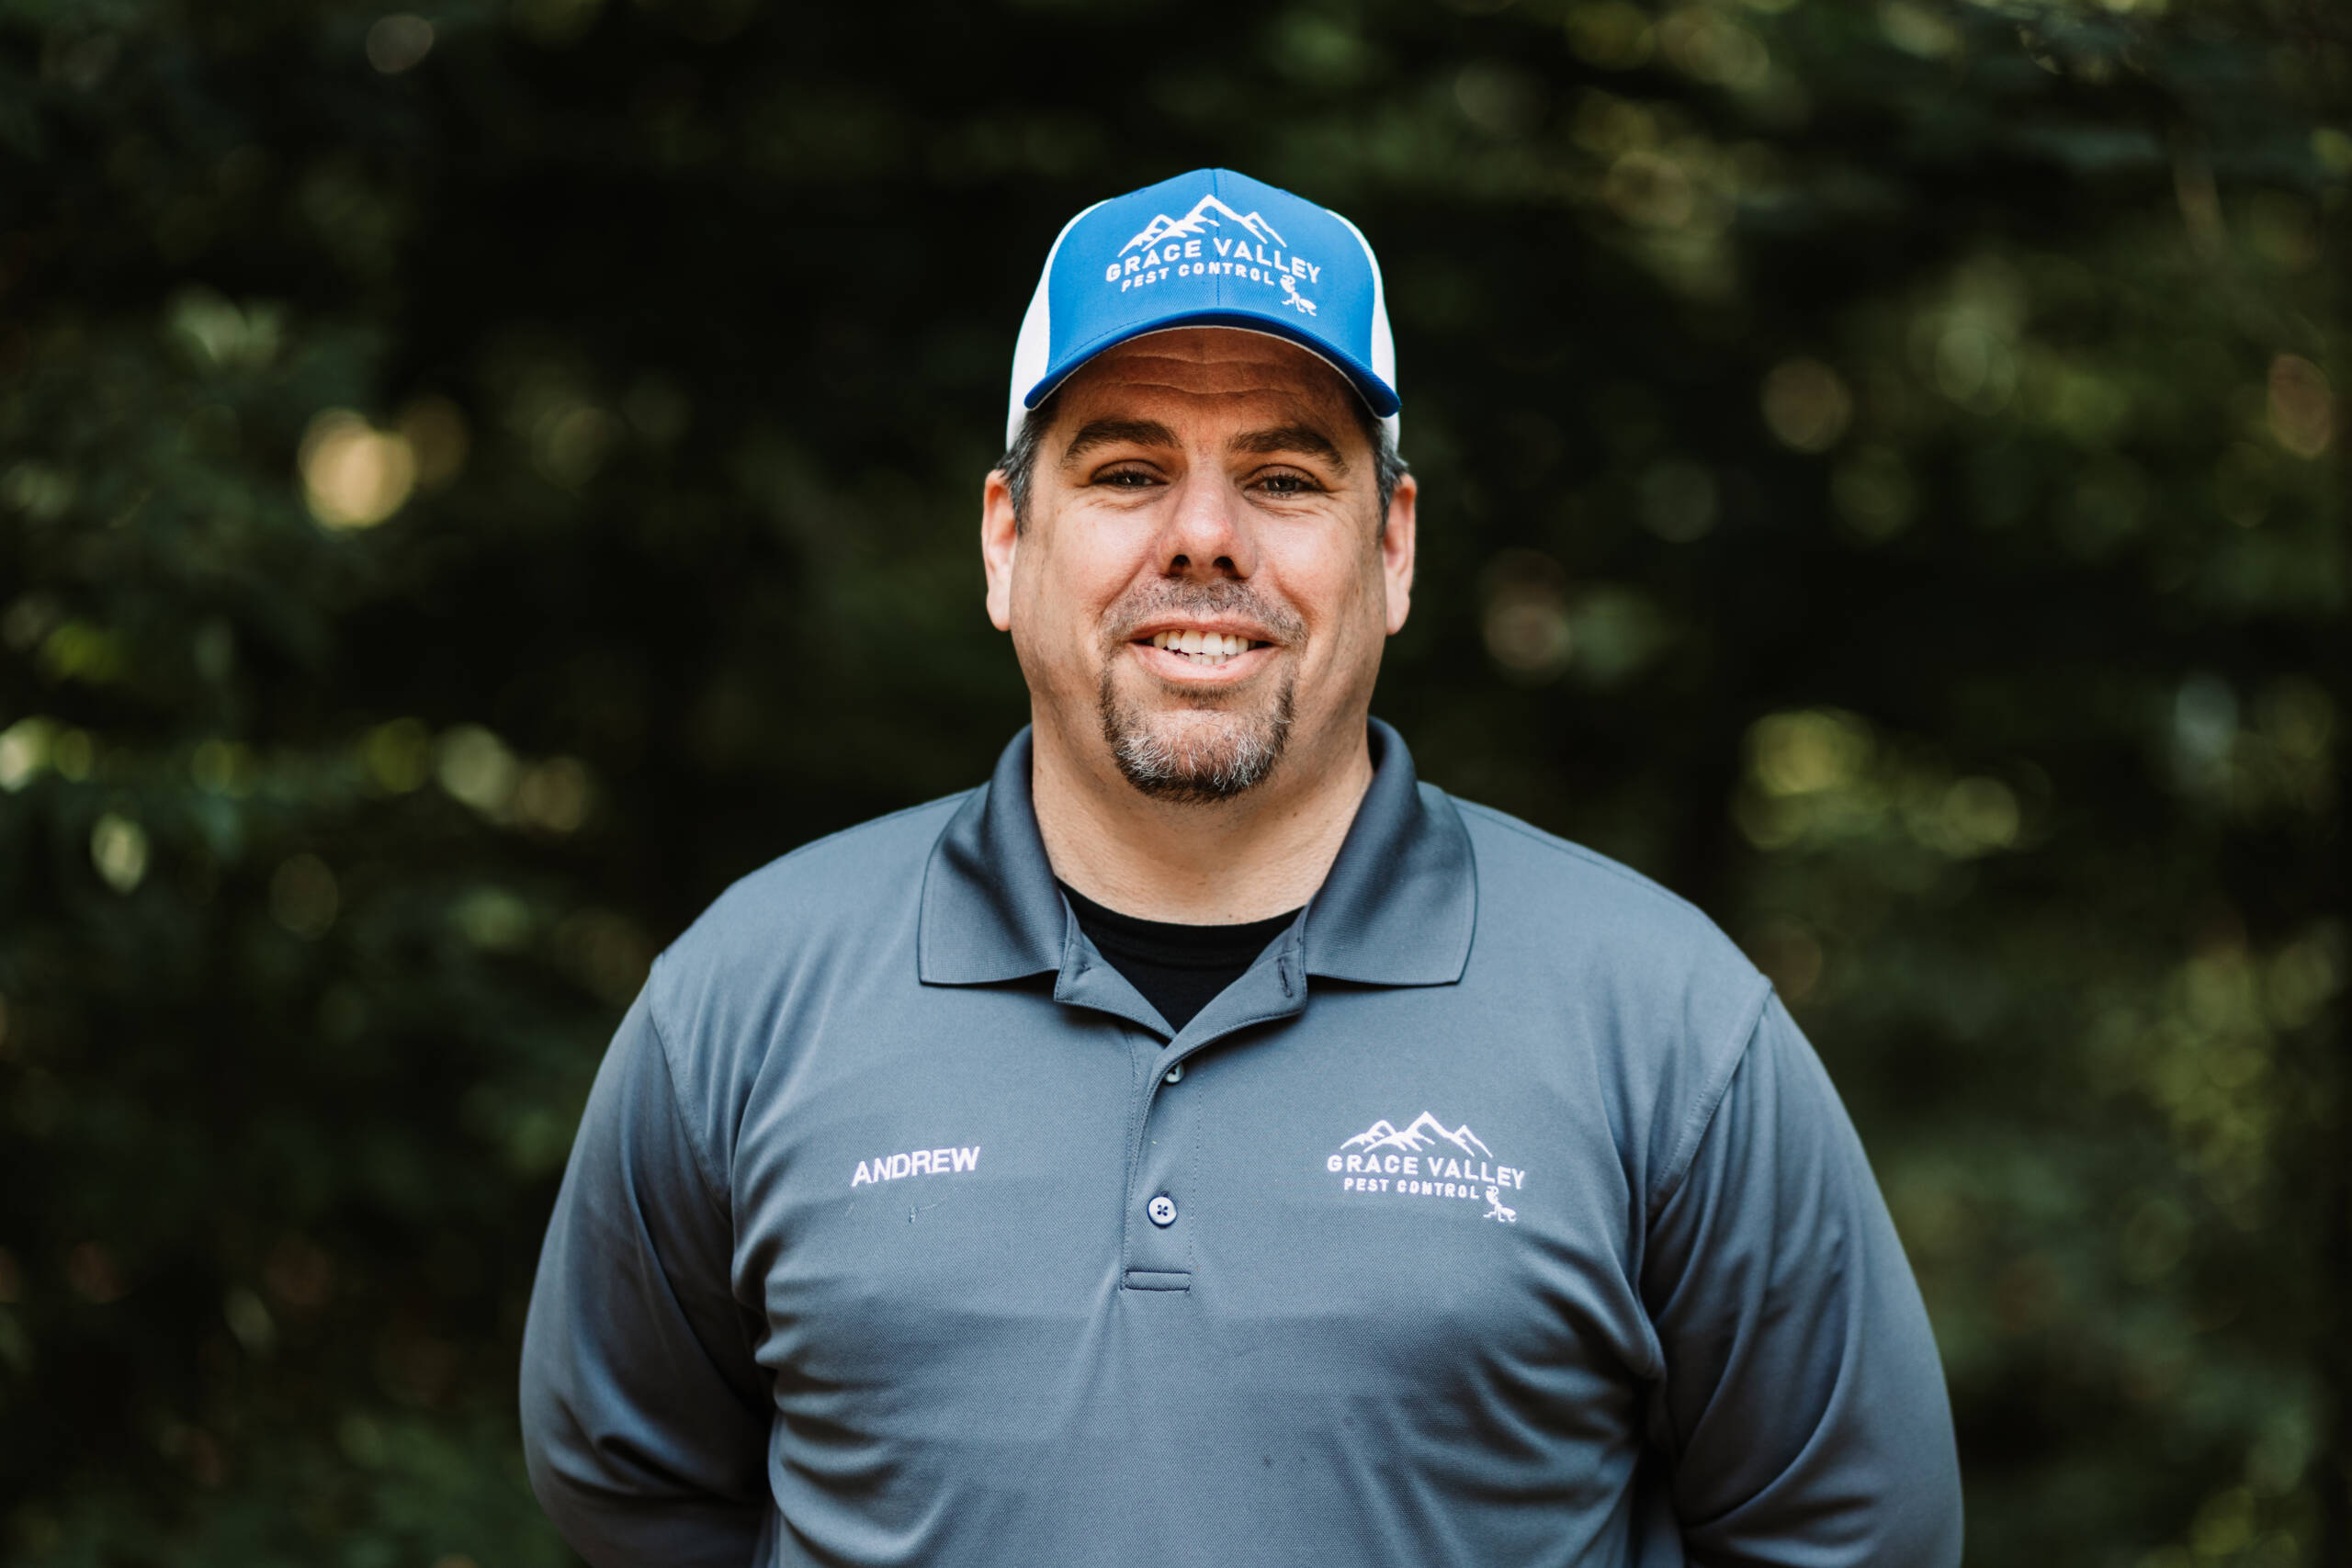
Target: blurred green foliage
{"x":474,"y":482}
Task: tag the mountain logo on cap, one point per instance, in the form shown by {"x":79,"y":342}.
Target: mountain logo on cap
{"x":1195,"y":221}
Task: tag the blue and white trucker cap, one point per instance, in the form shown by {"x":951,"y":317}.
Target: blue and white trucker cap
{"x":1207,"y":249}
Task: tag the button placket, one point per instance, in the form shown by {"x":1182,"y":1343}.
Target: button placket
{"x":1157,"y":1247}
{"x":1171,"y":1128}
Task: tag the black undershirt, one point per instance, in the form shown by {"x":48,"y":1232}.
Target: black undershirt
{"x":1178,"y":969}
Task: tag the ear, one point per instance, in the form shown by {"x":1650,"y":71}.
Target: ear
{"x":1000,"y":542}
{"x":1397,"y":552}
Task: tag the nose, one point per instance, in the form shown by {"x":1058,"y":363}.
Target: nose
{"x":1208,"y":531}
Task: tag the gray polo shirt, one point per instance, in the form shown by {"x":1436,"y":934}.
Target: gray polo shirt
{"x":1497,"y":1215}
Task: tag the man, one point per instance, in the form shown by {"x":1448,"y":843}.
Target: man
{"x":1202,"y":1143}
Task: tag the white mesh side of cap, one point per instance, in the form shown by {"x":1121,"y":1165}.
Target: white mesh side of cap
{"x":1383,"y":344}
{"x":1035,"y":344}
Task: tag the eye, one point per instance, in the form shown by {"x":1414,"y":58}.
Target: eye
{"x":1287,"y":482}
{"x":1127,"y":478}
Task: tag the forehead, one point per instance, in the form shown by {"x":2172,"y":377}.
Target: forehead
{"x":1210,"y":371}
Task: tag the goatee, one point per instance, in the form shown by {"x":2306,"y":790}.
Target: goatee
{"x":1213,"y":755}
{"x":1199,"y":755}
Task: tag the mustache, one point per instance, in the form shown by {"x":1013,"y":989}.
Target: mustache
{"x":1204,"y":599}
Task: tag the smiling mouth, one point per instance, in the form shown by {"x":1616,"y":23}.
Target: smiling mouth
{"x":1207,"y":650}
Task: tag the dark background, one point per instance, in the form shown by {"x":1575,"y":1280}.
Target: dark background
{"x":473,"y":483}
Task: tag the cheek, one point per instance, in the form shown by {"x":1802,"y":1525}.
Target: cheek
{"x":1062,"y":589}
{"x":1342,"y":593}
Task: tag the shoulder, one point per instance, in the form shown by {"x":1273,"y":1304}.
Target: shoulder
{"x":1555,"y":891}
{"x":852,"y":892}
{"x":1665,"y":1001}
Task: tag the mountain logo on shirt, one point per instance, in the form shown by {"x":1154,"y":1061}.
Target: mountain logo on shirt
{"x":1424,"y":1131}
{"x":1426,"y":1159}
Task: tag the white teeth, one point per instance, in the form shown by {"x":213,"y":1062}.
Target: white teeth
{"x":1211,"y":648}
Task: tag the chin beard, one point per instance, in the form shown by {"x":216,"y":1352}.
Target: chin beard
{"x":1197,"y":756}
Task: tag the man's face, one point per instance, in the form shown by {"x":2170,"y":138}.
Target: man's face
{"x":1204,"y":584}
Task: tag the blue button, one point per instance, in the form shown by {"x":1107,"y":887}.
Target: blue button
{"x":1162,"y":1210}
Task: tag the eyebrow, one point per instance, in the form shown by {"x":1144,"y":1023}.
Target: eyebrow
{"x":1282,"y":438}
{"x":1267,"y":443}
{"x":1115,"y":432}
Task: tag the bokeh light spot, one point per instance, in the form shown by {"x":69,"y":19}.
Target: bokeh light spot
{"x":1526,"y":623}
{"x":399,"y":42}
{"x":1679,"y":501}
{"x":249,"y":1320}
{"x":1710,"y":46}
{"x":73,"y":754}
{"x":1915,"y":29}
{"x":354,"y":475}
{"x":2302,"y":409}
{"x":38,"y":490}
{"x":1500,"y":100}
{"x":1609,"y":34}
{"x":119,"y":851}
{"x":1806,"y":404}
{"x":219,"y":334}
{"x":1648,"y":188}
{"x":1973,"y":367}
{"x":399,"y":754}
{"x":477,"y":768}
{"x":492,"y":919}
{"x":570,"y":442}
{"x":554,"y":794}
{"x":303,"y":896}
{"x":221,"y":767}
{"x":1809,"y":751}
{"x":1979,"y":815}
{"x":23,"y":752}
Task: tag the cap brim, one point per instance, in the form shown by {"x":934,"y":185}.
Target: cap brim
{"x":1377,"y":394}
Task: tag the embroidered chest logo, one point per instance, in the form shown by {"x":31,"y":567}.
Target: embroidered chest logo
{"x":1426,"y":1160}
{"x":917,"y":1162}
{"x":1246,"y":249}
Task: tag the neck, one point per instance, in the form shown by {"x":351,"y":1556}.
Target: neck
{"x":1250,"y":858}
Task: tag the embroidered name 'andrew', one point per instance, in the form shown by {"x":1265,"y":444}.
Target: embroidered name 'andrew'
{"x":917,"y":1162}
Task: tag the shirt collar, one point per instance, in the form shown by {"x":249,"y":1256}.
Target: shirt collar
{"x":1397,"y":909}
